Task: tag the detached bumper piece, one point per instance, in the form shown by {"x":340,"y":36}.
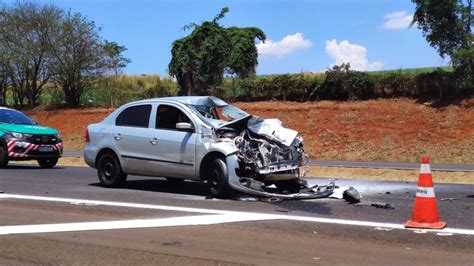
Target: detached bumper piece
{"x":20,"y":150}
{"x":257,"y":188}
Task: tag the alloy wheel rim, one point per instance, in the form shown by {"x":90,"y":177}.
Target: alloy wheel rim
{"x":109,"y":170}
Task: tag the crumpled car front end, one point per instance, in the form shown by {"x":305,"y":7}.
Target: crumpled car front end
{"x":267,"y":159}
{"x":270,"y":161}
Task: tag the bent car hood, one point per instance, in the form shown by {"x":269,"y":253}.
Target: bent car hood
{"x":28,"y":129}
{"x":220,"y":125}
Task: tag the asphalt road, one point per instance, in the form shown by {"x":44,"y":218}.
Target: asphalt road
{"x":361,"y":164}
{"x":62,"y":216}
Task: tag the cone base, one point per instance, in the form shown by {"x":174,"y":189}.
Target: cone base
{"x":435,"y":225}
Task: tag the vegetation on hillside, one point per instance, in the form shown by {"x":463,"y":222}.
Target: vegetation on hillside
{"x":338,"y":83}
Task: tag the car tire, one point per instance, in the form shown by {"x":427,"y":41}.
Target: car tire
{"x":217,"y":178}
{"x":174,"y":181}
{"x":48,"y":163}
{"x":3,"y":157}
{"x":109,"y":171}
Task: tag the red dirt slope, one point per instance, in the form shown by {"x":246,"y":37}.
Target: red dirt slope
{"x":387,"y":130}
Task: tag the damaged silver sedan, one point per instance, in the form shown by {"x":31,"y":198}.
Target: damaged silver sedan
{"x":201,"y":138}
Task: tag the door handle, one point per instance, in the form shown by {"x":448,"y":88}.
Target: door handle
{"x":118,"y":136}
{"x":154,"y":141}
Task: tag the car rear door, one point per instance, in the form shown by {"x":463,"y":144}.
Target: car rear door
{"x":131,"y":137}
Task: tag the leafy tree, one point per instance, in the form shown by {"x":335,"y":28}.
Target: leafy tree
{"x":24,"y":31}
{"x":115,"y":62}
{"x":3,"y":84}
{"x":200,"y":60}
{"x":447,"y":26}
{"x":81,"y":56}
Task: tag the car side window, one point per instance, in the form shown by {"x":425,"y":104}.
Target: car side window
{"x":168,"y":116}
{"x":135,"y":116}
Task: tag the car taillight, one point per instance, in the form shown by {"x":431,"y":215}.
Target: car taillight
{"x":88,"y":138}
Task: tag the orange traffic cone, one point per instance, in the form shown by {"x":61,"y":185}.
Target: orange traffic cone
{"x":425,"y":210}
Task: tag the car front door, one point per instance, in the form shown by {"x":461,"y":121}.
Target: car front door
{"x":174,"y":150}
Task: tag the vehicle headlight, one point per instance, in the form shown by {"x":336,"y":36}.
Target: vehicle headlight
{"x":58,"y":136}
{"x":20,"y":135}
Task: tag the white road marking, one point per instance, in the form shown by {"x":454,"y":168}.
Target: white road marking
{"x":117,"y":204}
{"x":130,"y":224}
{"x":230,"y":216}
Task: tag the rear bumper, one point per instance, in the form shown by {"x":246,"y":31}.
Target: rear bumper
{"x":20,"y":150}
{"x":90,"y":154}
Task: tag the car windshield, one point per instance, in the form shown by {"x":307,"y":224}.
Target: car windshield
{"x":214,"y":115}
{"x":8,"y":116}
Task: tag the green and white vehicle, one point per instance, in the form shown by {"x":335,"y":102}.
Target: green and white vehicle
{"x":21,"y":139}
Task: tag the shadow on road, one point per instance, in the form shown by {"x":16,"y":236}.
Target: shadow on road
{"x":29,"y":167}
{"x":163,"y":186}
{"x":201,"y":189}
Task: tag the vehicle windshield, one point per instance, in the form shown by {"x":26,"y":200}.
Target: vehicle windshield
{"x":217,"y":115}
{"x":8,"y":116}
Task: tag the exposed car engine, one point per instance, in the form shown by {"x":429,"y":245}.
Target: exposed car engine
{"x":268,"y":153}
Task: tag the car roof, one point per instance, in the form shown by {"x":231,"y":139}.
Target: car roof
{"x":5,"y":108}
{"x":193,"y":100}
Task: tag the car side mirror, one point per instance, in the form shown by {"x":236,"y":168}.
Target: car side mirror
{"x":184,"y":127}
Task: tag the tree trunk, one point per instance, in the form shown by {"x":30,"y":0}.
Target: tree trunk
{"x":189,"y":84}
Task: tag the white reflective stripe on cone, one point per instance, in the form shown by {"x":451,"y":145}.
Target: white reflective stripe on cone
{"x":425,"y":192}
{"x":425,"y":169}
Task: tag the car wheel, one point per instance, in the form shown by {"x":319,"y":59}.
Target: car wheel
{"x":3,"y":157}
{"x":216,"y":176}
{"x":109,"y":171}
{"x":48,"y":163}
{"x":174,"y":181}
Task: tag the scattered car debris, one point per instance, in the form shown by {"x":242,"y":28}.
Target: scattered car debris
{"x":420,"y":231}
{"x":347,"y":193}
{"x":351,"y":195}
{"x":243,"y":197}
{"x":383,"y":229}
{"x":449,"y":199}
{"x":271,"y":199}
{"x":444,"y":234}
{"x":382,"y":206}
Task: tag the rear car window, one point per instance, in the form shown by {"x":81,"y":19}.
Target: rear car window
{"x":135,"y":116}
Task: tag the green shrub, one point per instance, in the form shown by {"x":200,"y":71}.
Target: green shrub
{"x":341,"y":83}
{"x":395,"y":84}
{"x":436,"y":84}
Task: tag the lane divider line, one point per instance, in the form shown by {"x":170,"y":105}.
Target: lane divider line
{"x":118,"y":204}
{"x":130,"y":224}
{"x":258,"y":216}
